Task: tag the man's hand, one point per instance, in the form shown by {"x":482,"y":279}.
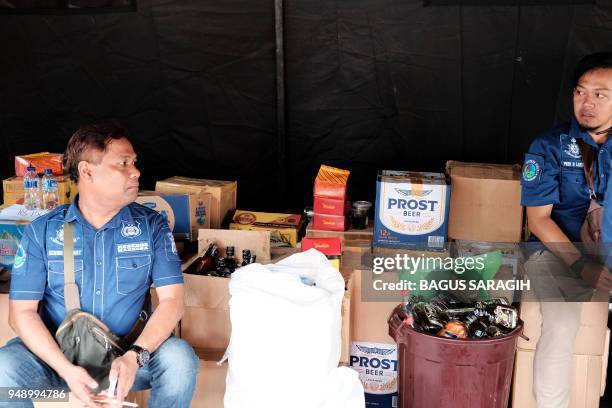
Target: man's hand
{"x":598,"y":276}
{"x":81,"y":384}
{"x":124,"y":369}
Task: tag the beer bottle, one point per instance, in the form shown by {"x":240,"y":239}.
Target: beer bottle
{"x":246,"y":257}
{"x":230,"y":261}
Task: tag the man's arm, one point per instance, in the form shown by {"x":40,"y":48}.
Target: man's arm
{"x":159,"y":327}
{"x":547,"y":230}
{"x":165,"y":317}
{"x":26,"y":322}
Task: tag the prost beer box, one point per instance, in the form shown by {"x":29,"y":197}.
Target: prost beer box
{"x":411,"y":210}
{"x":185,"y":213}
{"x":284,"y":227}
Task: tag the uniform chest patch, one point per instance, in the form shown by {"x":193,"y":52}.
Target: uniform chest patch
{"x":58,"y":238}
{"x":130,"y":229}
{"x":572,"y":149}
{"x":570,"y":152}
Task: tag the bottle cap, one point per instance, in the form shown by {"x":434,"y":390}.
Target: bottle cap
{"x":48,"y":171}
{"x":31,"y":168}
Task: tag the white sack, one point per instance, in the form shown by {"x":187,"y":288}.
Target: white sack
{"x":286,"y":335}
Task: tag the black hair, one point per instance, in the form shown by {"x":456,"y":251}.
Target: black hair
{"x":598,"y":60}
{"x":95,"y":136}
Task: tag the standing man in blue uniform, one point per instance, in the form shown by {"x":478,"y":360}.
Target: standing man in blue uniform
{"x":121,"y":249}
{"x":556,"y":194}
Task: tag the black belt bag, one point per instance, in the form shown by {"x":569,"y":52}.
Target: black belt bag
{"x":83,"y":338}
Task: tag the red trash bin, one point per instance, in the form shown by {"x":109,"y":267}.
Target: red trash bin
{"x":438,"y":372}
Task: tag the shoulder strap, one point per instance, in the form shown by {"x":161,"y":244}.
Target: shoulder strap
{"x":140,"y":324}
{"x":588,"y":162}
{"x":71,"y":290}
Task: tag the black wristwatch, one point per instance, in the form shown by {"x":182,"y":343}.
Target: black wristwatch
{"x":142,"y":355}
{"x":578,"y":265}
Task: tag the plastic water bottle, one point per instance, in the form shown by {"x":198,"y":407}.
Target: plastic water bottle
{"x":31,"y":198}
{"x":49,"y":189}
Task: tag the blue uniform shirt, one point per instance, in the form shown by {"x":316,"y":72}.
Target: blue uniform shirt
{"x":553,"y":174}
{"x":606,"y":227}
{"x":114,"y":265}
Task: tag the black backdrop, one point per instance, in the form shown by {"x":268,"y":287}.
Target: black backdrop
{"x":370,"y":85}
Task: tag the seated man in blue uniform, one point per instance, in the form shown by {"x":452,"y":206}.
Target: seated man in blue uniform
{"x":121,"y":249}
{"x":557,"y":195}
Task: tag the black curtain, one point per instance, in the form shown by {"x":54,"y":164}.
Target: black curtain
{"x":370,"y":85}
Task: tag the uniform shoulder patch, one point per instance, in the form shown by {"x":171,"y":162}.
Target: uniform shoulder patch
{"x":532,"y":168}
{"x":20,"y":258}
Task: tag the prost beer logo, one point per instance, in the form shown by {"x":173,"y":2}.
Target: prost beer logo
{"x":377,"y":366}
{"x":412,"y":209}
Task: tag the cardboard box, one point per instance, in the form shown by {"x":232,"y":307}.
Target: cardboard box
{"x":330,"y":206}
{"x":591,"y":336}
{"x":330,"y":222}
{"x":330,"y":247}
{"x":485,"y":202}
{"x":206,"y":322}
{"x":223,"y":194}
{"x":41,"y":161}
{"x":347,"y":317}
{"x":6,"y":333}
{"x":284,"y":226}
{"x":185,"y":213}
{"x":373,"y":351}
{"x":411,"y":210}
{"x":13,"y":190}
{"x":351,"y":237}
{"x":588,"y":380}
{"x":256,"y":241}
{"x":11,"y":233}
{"x":331,"y":182}
{"x":210,"y":387}
{"x":512,"y":262}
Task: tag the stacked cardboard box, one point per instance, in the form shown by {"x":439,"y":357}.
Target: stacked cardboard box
{"x":284,"y":227}
{"x":411,"y":210}
{"x":330,"y":200}
{"x":373,"y":352}
{"x":590,"y":361}
{"x":40,"y":161}
{"x":206,"y":323}
{"x":223,"y":194}
{"x":485,"y":203}
{"x":13,"y":190}
{"x":186,"y":213}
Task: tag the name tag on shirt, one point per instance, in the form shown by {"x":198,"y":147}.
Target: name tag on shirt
{"x":133,"y":247}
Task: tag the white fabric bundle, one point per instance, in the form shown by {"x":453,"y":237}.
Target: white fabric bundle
{"x":286,"y":334}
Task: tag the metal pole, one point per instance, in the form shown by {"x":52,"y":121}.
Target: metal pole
{"x":280,"y":101}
